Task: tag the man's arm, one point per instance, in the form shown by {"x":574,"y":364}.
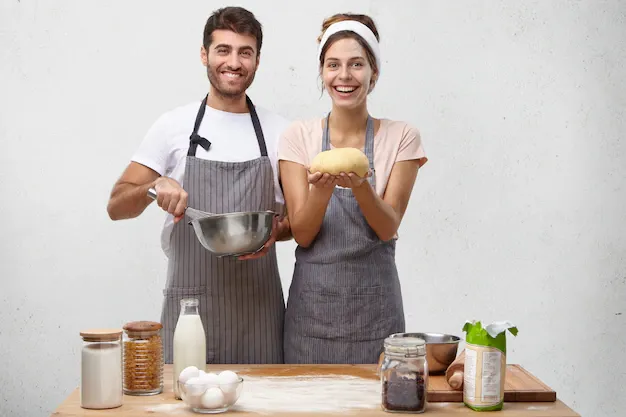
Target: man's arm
{"x":129,"y":197}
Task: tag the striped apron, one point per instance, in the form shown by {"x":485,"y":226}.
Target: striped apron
{"x":241,"y":302}
{"x":345,"y":296}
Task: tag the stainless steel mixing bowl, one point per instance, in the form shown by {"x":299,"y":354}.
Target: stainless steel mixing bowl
{"x":441,"y":349}
{"x":229,"y":234}
{"x":234,"y":233}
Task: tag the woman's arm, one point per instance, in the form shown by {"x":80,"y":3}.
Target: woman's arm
{"x":384,"y":215}
{"x":306,"y":205}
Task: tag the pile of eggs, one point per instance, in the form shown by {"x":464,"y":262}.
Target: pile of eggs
{"x":208,"y":390}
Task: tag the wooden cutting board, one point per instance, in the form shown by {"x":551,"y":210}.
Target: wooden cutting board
{"x":519,"y":386}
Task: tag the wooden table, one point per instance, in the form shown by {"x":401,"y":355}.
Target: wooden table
{"x":165,"y":404}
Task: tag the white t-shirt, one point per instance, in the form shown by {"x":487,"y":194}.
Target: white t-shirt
{"x":164,"y":148}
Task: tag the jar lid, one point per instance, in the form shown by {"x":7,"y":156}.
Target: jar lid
{"x":101,"y":335}
{"x":143,"y":326}
{"x":135,"y":328}
{"x":406,"y":346}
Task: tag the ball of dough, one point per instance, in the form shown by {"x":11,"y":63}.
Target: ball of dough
{"x":338,"y":160}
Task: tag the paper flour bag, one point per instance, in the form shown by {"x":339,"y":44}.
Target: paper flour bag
{"x":485,"y":364}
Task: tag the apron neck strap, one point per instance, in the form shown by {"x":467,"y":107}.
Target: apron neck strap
{"x":257,"y":127}
{"x":195,"y":139}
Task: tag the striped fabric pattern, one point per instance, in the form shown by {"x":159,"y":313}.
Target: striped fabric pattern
{"x":241,"y":302}
{"x":345,"y":296}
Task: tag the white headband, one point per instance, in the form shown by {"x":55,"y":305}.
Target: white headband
{"x":356,"y":27}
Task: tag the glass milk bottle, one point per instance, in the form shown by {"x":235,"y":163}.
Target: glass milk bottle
{"x":189,"y":340}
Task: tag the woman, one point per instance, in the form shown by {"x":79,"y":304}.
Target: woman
{"x":345,"y":295}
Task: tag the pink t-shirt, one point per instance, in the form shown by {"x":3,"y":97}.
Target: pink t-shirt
{"x":395,"y":141}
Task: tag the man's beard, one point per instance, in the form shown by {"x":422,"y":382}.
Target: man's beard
{"x":226,"y":91}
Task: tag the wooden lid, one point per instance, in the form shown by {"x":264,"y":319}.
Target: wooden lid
{"x":142,"y":326}
{"x":101,"y":335}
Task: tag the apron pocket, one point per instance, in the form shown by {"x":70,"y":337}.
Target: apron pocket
{"x":349,"y":314}
{"x":172,"y":312}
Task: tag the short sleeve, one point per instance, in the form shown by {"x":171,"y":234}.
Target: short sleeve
{"x":154,"y":149}
{"x":291,"y":146}
{"x":411,"y":146}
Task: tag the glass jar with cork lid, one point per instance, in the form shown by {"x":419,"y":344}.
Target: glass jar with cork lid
{"x":101,"y":369}
{"x":143,"y":358}
{"x":404,"y":375}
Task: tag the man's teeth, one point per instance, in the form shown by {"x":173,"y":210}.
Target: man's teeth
{"x":345,"y":89}
{"x":231,"y":74}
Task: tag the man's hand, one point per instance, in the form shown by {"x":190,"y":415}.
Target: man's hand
{"x":277,"y":230}
{"x":171,"y":197}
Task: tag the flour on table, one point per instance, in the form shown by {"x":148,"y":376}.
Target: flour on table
{"x":308,"y":393}
{"x":168,"y":408}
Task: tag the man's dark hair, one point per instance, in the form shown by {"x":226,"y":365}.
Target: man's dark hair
{"x":236,"y":19}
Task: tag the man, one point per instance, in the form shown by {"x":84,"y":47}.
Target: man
{"x":217,"y":156}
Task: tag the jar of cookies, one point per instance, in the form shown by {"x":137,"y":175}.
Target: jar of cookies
{"x":143,"y":358}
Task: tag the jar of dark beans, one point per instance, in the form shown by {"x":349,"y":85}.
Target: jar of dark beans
{"x":404,"y":375}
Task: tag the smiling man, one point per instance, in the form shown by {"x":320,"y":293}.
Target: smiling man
{"x":219,"y":156}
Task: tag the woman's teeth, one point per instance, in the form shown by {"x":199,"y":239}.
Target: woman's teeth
{"x":345,"y":89}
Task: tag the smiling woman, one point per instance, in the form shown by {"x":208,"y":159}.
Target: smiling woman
{"x":345,"y":296}
{"x":347,"y":26}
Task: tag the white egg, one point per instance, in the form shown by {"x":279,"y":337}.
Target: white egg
{"x":230,"y":396}
{"x":195,"y":387}
{"x":210,"y":379}
{"x":227,"y":381}
{"x":213,"y":398}
{"x":191,"y":401}
{"x":188,"y":372}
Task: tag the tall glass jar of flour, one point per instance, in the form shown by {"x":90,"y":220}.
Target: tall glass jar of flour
{"x":101,"y":369}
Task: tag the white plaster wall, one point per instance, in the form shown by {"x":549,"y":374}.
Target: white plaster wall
{"x":520,"y":213}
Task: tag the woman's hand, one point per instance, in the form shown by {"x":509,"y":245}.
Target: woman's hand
{"x":319,"y":180}
{"x":351,"y":180}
